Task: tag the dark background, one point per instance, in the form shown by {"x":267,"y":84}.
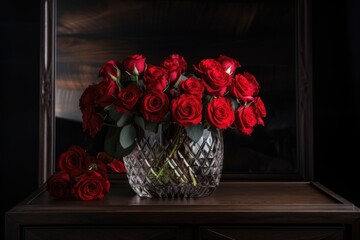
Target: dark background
{"x":336,"y":74}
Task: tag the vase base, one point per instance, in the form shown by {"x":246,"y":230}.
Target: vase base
{"x":179,"y":191}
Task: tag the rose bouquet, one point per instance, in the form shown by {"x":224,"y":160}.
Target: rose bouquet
{"x":135,"y":96}
{"x":166,"y":123}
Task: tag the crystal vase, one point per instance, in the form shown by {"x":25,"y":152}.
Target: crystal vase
{"x":170,"y":164}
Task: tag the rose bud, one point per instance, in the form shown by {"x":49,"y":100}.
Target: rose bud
{"x":156,"y":78}
{"x":229,"y":64}
{"x":176,"y":65}
{"x":110,"y":70}
{"x":134,"y":64}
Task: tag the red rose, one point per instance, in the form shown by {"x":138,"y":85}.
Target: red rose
{"x":186,"y":110}
{"x":88,"y":102}
{"x":252,"y":81}
{"x":59,"y":185}
{"x":134,"y":64}
{"x":104,"y":157}
{"x":175,"y":65}
{"x":107,"y":92}
{"x":191,"y":86}
{"x":206,"y":65}
{"x":128,"y":98}
{"x":156,"y":78}
{"x":88,"y":97}
{"x":94,"y":163}
{"x":216,"y":81}
{"x":214,"y":77}
{"x":244,"y":87}
{"x":116,"y":166}
{"x":102,"y":94}
{"x":245,"y":119}
{"x":155,"y":105}
{"x":109,"y":69}
{"x":113,"y":165}
{"x":220,"y":113}
{"x":259,"y":109}
{"x":229,"y":64}
{"x":92,"y":121}
{"x":91,"y":185}
{"x":73,"y":158}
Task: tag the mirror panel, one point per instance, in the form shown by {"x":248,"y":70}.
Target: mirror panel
{"x":264,"y":36}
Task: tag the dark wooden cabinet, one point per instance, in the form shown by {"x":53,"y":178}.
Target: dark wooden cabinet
{"x":99,"y":232}
{"x":278,"y":233}
{"x":242,"y":210}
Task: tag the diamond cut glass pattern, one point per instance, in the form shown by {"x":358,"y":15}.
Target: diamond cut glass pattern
{"x":170,"y":164}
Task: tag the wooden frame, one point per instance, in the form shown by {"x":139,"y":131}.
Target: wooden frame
{"x":47,"y":76}
{"x":303,"y":98}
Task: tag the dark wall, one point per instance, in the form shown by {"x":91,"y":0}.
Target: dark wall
{"x":19,"y":101}
{"x":336,"y":98}
{"x":336,"y":56}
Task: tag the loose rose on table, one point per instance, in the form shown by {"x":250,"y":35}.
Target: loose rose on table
{"x":90,"y":185}
{"x":82,"y":176}
{"x":59,"y":185}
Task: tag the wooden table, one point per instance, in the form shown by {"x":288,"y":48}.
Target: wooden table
{"x":241,"y":210}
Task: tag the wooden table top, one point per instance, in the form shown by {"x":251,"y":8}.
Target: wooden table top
{"x":232,"y":201}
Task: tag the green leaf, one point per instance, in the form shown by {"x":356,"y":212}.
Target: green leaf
{"x":234,"y":103}
{"x":191,"y":75}
{"x":247,"y":104}
{"x":127,"y":135}
{"x":136,"y":72}
{"x":133,"y":78}
{"x":167,"y":117}
{"x":113,"y":114}
{"x":194,"y":132}
{"x":116,"y":79}
{"x":113,"y":77}
{"x":165,"y":126}
{"x":125,"y":118}
{"x":128,"y":79}
{"x":151,"y":126}
{"x":140,"y":122}
{"x":207,"y":99}
{"x":181,"y":78}
{"x":122,"y":152}
{"x":215,"y":131}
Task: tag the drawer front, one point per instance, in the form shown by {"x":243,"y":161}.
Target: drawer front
{"x":169,"y":233}
{"x":99,"y":233}
{"x":269,"y":233}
